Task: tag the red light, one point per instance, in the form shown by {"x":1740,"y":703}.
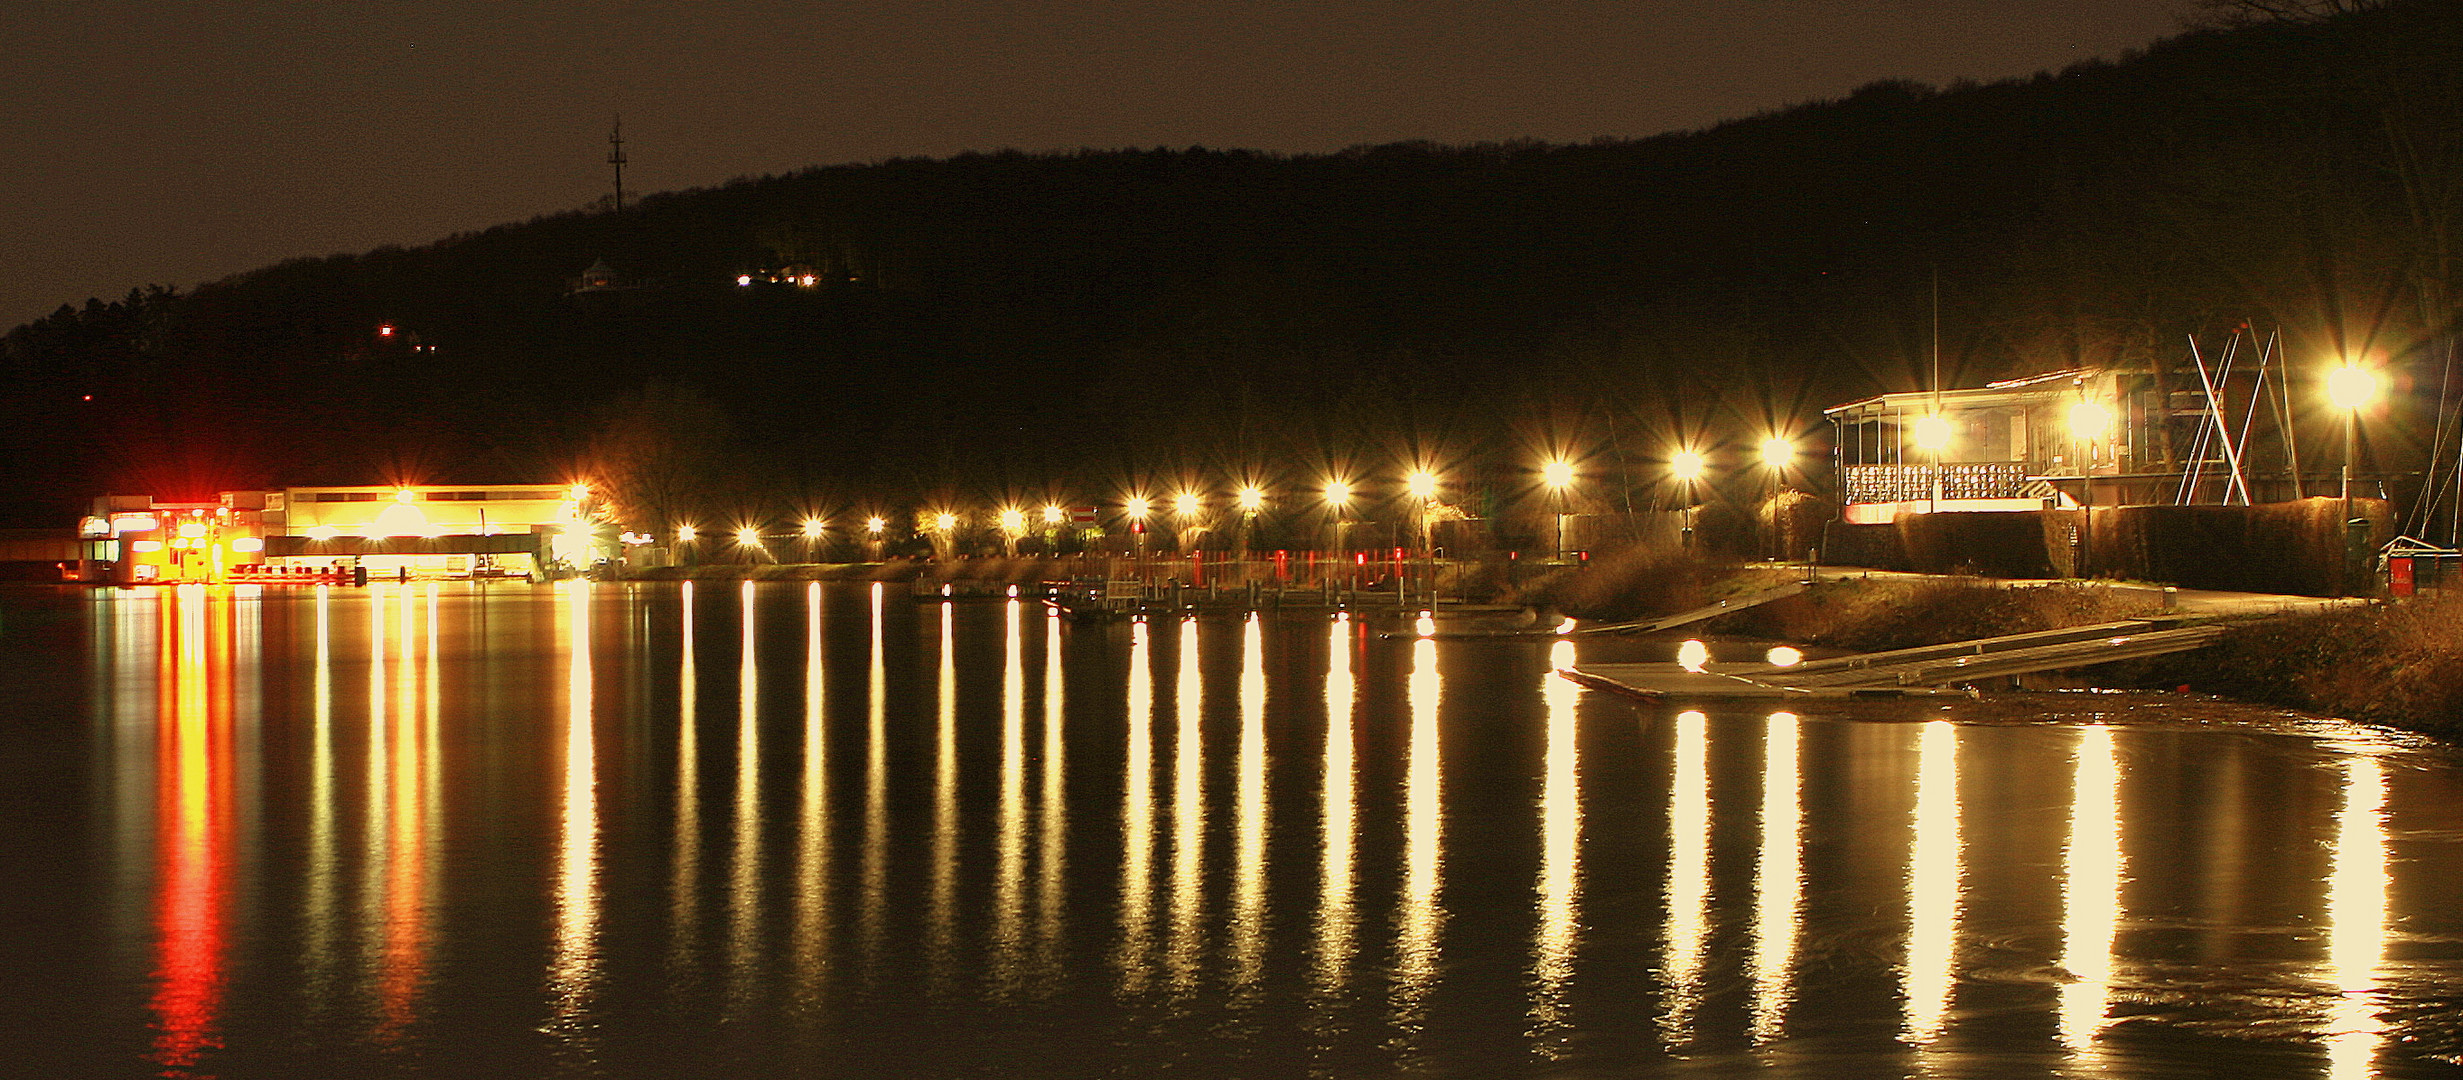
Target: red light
{"x":385,"y":330}
{"x":89,"y":397}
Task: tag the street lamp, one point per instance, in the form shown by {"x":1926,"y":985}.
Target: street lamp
{"x":1778,"y":453}
{"x":1013,"y":526}
{"x":2350,"y":387}
{"x":875,"y":528}
{"x":1052,"y":517}
{"x":1338,"y":500}
{"x":2090,"y":424}
{"x":1558,"y":474}
{"x":1423,"y":487}
{"x":1687,"y":466}
{"x":813,"y":529}
{"x":1138,"y":507}
{"x":748,"y":537}
{"x":1932,"y":434}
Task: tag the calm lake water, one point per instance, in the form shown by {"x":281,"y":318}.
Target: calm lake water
{"x":824,"y":830}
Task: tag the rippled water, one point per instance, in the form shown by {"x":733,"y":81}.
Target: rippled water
{"x":821,"y":830}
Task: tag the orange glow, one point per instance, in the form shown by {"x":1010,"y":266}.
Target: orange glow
{"x":193,"y":811}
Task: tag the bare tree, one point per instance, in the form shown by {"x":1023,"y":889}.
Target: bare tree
{"x":2243,"y":12}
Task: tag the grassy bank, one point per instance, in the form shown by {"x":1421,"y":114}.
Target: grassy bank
{"x":1874,"y":614}
{"x":2398,"y":664}
{"x":1636,"y":583}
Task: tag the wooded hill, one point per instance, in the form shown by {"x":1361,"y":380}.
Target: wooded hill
{"x":995,"y":324}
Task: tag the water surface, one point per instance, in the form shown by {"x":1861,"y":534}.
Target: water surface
{"x":789,"y":829}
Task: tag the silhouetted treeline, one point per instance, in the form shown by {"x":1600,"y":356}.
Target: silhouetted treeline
{"x":984,"y":326}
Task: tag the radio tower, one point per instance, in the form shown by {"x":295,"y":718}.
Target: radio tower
{"x":615,"y":157}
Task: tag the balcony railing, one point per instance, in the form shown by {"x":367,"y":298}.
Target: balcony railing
{"x":1914,"y":483}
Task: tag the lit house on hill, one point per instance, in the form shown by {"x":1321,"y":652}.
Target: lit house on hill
{"x":2108,"y":436}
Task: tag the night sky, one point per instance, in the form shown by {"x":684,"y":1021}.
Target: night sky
{"x":178,"y":143}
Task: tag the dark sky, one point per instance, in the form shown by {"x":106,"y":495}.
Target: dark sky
{"x":176,"y":143}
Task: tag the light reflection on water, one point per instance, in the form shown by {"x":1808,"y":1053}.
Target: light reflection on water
{"x":1352,"y":856}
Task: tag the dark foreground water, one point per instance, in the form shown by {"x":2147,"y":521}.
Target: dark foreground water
{"x":795,"y":830}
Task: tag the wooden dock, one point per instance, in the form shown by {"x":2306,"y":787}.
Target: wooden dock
{"x":1637,"y":626}
{"x":1924,"y":670}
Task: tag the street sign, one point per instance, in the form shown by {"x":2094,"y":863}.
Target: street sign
{"x":1084,"y":515}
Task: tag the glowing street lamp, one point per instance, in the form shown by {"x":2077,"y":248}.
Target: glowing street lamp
{"x":813,"y":530}
{"x":1932,"y":435}
{"x":2350,"y":387}
{"x":876,"y":529}
{"x":1423,"y":487}
{"x":2090,"y":424}
{"x":1250,"y":499}
{"x":1139,"y":508}
{"x":1778,"y":455}
{"x":1558,"y":475}
{"x":1338,"y":503}
{"x":686,"y":533}
{"x":1686,"y":465}
{"x":1778,"y":452}
{"x":1013,"y":526}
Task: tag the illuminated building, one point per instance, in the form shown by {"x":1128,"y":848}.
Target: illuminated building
{"x":433,"y":530}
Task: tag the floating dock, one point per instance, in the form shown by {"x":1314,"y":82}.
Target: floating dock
{"x":1929,"y":669}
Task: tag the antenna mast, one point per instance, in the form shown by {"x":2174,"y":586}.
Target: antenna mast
{"x":615,"y":157}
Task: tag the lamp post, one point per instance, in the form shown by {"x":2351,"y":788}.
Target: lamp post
{"x":1252,"y":499}
{"x":2090,"y":422}
{"x":945,"y":531}
{"x":1013,"y":526}
{"x":1423,"y":487}
{"x":1186,"y":507}
{"x":813,"y":529}
{"x":1686,"y":466}
{"x":2350,"y":387}
{"x":1778,"y":453}
{"x":1933,"y":437}
{"x":875,"y":530}
{"x":1558,"y":474}
{"x":1138,"y":508}
{"x":1338,"y":500}
{"x":1052,"y":517}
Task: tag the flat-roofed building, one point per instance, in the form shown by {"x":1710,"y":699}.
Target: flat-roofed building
{"x":420,"y":530}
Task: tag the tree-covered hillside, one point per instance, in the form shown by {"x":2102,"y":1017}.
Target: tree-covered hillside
{"x":994,"y":324}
